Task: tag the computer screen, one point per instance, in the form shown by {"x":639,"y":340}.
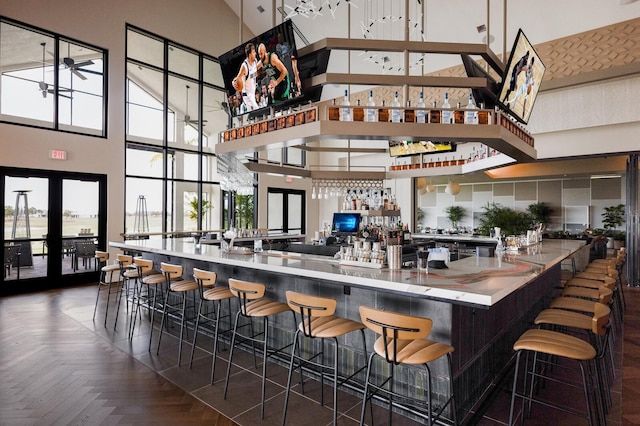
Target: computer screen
{"x":345,"y":223}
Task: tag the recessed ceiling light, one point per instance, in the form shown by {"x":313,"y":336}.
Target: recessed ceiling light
{"x":260,"y":9}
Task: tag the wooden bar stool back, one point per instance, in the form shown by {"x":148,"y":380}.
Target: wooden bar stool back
{"x":175,"y":285}
{"x":209,"y":292}
{"x":403,"y":340}
{"x":253,"y":305}
{"x":318,"y":321}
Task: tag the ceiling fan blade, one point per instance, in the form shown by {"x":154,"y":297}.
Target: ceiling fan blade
{"x":77,"y":74}
{"x":82,"y":64}
{"x":89,"y":71}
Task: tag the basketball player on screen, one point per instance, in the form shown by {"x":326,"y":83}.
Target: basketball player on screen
{"x":277,"y":74}
{"x":245,"y":81}
{"x":520,"y":66}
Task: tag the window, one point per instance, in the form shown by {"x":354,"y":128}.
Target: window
{"x":51,"y":81}
{"x":173,"y":116}
{"x":286,"y":210}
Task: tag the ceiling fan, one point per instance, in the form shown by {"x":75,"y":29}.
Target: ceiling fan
{"x":187,"y":118}
{"x":43,"y":85}
{"x":75,"y":67}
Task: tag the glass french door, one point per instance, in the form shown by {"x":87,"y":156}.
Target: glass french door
{"x":53,"y":223}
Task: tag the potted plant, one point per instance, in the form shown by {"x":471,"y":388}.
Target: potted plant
{"x":507,"y":219}
{"x":454,"y":214}
{"x":540,"y":213}
{"x":612,"y":217}
{"x":619,"y":239}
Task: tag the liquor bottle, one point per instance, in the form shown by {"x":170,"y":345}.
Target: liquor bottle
{"x":483,"y":152}
{"x":409,"y":114}
{"x":484,"y":116}
{"x":458,"y":114}
{"x":334,"y":112}
{"x":358,"y":112}
{"x":371,"y":112}
{"x":445,"y":163}
{"x":345,"y":113}
{"x":421,"y":114}
{"x":435,"y":114}
{"x":395,"y":113}
{"x":471,"y":115}
{"x":383,"y":113}
{"x":438,"y":162}
{"x":446,"y":110}
{"x":461,"y":161}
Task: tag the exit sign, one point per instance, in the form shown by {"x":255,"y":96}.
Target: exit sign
{"x":57,"y":154}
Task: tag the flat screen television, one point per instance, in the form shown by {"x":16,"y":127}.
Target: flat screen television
{"x":486,"y":96}
{"x":402,"y":148}
{"x":253,"y":90}
{"x":345,"y":223}
{"x":521,"y":80}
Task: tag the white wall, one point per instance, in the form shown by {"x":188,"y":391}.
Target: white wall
{"x":209,"y":26}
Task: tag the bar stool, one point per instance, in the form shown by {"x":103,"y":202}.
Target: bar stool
{"x":553,"y":343}
{"x":403,"y":340}
{"x":145,"y":277}
{"x":598,"y":329}
{"x":253,"y":305}
{"x":102,"y":257}
{"x":174,"y":284}
{"x":318,"y":321}
{"x":209,"y":292}
{"x":125,"y":263}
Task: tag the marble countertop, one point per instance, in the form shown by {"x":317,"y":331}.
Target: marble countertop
{"x":454,"y":237}
{"x":481,"y":281}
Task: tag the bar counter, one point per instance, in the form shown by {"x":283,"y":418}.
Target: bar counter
{"x":478,"y":281}
{"x":479,"y":305}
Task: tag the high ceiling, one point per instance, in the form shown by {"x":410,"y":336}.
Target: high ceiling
{"x":450,"y":20}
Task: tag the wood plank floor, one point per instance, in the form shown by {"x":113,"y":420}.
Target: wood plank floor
{"x":58,"y":366}
{"x":56,"y":371}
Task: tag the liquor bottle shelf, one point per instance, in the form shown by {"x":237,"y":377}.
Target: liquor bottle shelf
{"x":483,"y":164}
{"x":494,"y":135}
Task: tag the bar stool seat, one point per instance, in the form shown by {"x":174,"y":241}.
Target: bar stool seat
{"x":145,"y":278}
{"x":597,"y":295}
{"x":174,"y":283}
{"x":403,"y":340}
{"x":558,"y":344}
{"x":253,"y":305}
{"x":577,"y":304}
{"x":318,"y":321}
{"x":209,"y":292}
{"x":592,"y":282}
{"x":102,"y":257}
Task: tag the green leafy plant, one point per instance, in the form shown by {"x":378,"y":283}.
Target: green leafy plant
{"x":540,"y":213}
{"x":620,"y":236}
{"x":612,"y":217}
{"x":507,"y":219}
{"x":193,"y":208}
{"x":454,"y":214}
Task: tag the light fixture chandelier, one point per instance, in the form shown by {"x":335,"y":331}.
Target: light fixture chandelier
{"x":452,"y":188}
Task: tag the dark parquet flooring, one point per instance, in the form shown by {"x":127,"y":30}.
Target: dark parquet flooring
{"x":56,"y":371}
{"x":59,"y":367}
